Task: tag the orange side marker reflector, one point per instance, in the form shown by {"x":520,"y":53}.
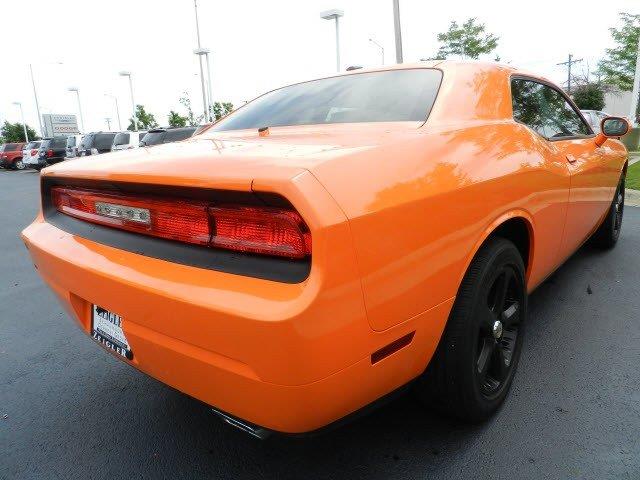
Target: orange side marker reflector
{"x":391,"y":348}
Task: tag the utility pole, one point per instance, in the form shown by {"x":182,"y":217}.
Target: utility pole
{"x":633,"y":109}
{"x":398,"y":33}
{"x":35,"y":96}
{"x":568,"y":63}
{"x":108,"y":120}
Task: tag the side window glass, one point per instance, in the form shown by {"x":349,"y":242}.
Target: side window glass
{"x":545,"y":110}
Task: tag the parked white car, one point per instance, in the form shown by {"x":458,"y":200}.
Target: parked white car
{"x":73,"y":141}
{"x":594,"y":117}
{"x":30,"y":153}
{"x":127,"y":140}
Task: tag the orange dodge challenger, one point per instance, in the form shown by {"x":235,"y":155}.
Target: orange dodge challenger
{"x":335,"y":240}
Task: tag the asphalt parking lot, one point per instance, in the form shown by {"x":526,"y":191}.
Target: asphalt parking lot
{"x":68,"y":409}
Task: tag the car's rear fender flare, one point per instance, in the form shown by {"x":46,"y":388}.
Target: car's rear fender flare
{"x":493,"y":227}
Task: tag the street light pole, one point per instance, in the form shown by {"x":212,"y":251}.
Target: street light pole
{"x":205,"y":105}
{"x":209,"y":99}
{"x":35,"y":95}
{"x":633,"y":109}
{"x":397,"y":29}
{"x":108,"y":120}
{"x":380,"y":47}
{"x":75,"y":89}
{"x":24,"y":125}
{"x":133,"y":102}
{"x":334,"y":15}
{"x":115,"y":99}
{"x":209,"y":85}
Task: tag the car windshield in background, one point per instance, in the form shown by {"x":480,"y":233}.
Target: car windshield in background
{"x":154,"y":138}
{"x":179,"y":134}
{"x":103,"y":141}
{"x":389,"y":96}
{"x":121,"y":139}
{"x":87,"y":141}
{"x":71,"y":141}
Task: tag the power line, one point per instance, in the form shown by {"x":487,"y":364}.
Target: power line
{"x":568,"y":63}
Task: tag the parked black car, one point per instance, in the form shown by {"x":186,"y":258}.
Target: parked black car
{"x":96,"y":143}
{"x":156,"y":136}
{"x":52,"y":150}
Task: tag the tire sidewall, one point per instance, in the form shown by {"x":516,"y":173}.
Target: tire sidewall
{"x":504,"y":254}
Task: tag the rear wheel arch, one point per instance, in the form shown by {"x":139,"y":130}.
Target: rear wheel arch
{"x":515,"y":226}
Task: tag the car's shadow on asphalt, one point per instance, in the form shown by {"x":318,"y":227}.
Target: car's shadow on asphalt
{"x":395,"y":439}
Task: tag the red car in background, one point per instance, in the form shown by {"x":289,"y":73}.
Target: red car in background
{"x":11,"y":156}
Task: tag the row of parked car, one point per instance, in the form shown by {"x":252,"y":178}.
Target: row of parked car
{"x":41,"y":153}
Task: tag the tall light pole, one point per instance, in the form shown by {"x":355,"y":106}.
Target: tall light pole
{"x":108,"y":120}
{"x":397,"y":30}
{"x":633,"y":109}
{"x":133,"y":103}
{"x":24,"y":125}
{"x":115,"y":99}
{"x":380,"y":47}
{"x":205,"y":106}
{"x":35,"y":96}
{"x":75,"y":89}
{"x":200,"y":52}
{"x":334,"y":14}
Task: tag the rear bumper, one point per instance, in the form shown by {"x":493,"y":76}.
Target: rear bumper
{"x":288,"y":357}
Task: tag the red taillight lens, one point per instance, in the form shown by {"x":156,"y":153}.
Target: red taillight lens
{"x":271,"y":231}
{"x":49,"y":153}
{"x":34,"y":152}
{"x":180,"y":220}
{"x":263,"y":230}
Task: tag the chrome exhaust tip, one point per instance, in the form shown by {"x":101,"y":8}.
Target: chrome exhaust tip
{"x":246,"y":427}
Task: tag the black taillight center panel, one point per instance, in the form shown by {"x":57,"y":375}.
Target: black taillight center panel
{"x":278,"y":269}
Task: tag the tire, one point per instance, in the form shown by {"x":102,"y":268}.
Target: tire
{"x":607,"y":234}
{"x":18,"y":165}
{"x":471,"y":371}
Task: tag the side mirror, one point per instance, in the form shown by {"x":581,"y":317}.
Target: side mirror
{"x":611,"y":127}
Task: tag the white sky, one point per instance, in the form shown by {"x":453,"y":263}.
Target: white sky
{"x":257,"y":45}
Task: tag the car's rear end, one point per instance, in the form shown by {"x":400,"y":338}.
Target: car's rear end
{"x":51,"y":151}
{"x":222,"y":266}
{"x":11,"y":156}
{"x":73,"y":142}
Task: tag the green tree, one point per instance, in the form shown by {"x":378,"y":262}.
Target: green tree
{"x":618,"y":66}
{"x":177,"y":120}
{"x":144,"y":120}
{"x":185,"y":101}
{"x":468,"y":40}
{"x":220,"y":109}
{"x":589,"y":96}
{"x":14,"y":132}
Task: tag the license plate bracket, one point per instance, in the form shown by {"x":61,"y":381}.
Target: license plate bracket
{"x":106,"y":329}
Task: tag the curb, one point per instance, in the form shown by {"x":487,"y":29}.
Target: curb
{"x":632,"y":197}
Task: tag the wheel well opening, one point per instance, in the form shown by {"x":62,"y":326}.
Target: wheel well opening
{"x":516,"y":230}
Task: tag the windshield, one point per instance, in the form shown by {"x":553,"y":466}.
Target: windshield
{"x":154,"y":138}
{"x":121,"y":138}
{"x":389,"y":96}
{"x":71,"y":141}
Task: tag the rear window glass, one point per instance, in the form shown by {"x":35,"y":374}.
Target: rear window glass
{"x":45,"y":143}
{"x":31,"y":145}
{"x":121,"y":139}
{"x":11,"y":147}
{"x":178,"y":134}
{"x":154,"y":138}
{"x":71,"y":141}
{"x":389,"y":96}
{"x":103,"y":141}
{"x":59,"y":142}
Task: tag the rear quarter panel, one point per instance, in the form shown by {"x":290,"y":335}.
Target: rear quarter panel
{"x":420,"y":208}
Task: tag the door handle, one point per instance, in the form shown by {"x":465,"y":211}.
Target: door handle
{"x":571,"y":158}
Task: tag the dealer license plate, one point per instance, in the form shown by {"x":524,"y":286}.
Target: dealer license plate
{"x":106,"y":328}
